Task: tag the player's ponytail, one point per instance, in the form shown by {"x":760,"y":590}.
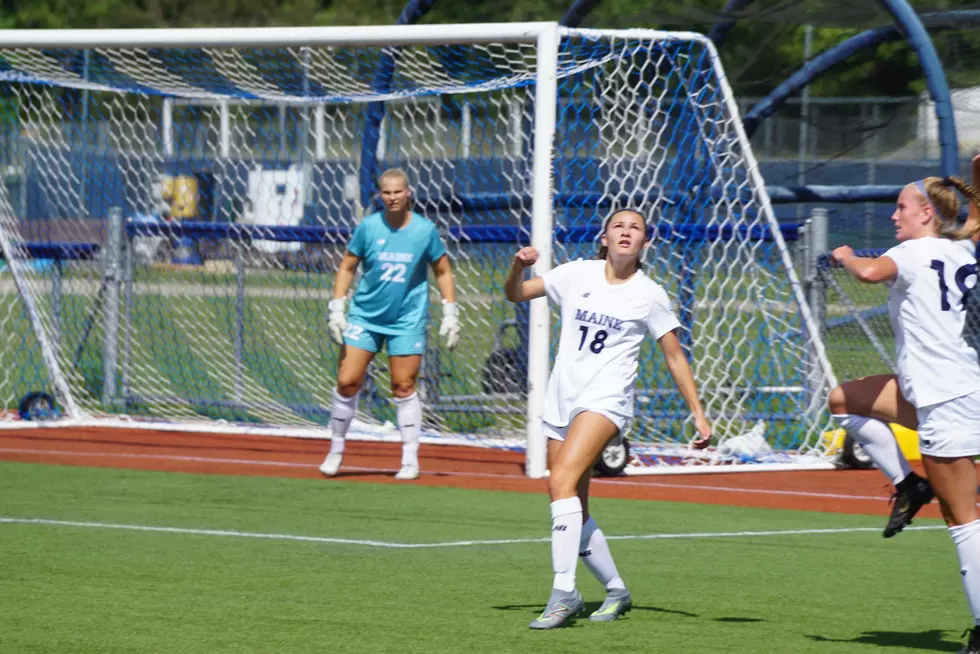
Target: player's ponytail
{"x":941,"y":194}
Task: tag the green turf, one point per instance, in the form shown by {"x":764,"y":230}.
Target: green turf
{"x":77,"y":589}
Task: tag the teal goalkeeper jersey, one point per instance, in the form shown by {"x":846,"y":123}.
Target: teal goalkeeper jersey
{"x":392,"y":296}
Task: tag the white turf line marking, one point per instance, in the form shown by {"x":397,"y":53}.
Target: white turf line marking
{"x":442,"y":545}
{"x":292,"y":464}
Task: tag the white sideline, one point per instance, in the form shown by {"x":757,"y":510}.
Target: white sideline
{"x":292,"y":464}
{"x":437,"y":545}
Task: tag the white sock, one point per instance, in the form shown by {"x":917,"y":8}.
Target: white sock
{"x":879,"y":442}
{"x":340,"y":417}
{"x":595,"y":554}
{"x":410,"y":426}
{"x":566,"y":532}
{"x":967,"y":539}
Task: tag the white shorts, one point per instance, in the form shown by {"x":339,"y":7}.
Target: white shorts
{"x":952,"y":428}
{"x":558,"y":433}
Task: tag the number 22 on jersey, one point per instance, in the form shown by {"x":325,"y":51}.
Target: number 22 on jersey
{"x":962,"y":274}
{"x":393,"y":272}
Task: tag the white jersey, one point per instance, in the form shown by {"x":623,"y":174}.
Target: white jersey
{"x":602,"y":327}
{"x":925,"y":305}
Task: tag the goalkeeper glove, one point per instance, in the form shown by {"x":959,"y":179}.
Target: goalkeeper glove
{"x":450,"y":324}
{"x":337,"y":322}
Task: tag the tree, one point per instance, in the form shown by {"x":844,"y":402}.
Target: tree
{"x":764,"y":46}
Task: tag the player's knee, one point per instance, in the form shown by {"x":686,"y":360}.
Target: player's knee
{"x":402,"y":388}
{"x":562,"y":483}
{"x":348,"y":387}
{"x":837,"y":401}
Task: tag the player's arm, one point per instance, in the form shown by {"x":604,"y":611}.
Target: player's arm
{"x":345,"y":275}
{"x":518,"y":289}
{"x":680,"y":370}
{"x":443,"y":271}
{"x":865,"y":269}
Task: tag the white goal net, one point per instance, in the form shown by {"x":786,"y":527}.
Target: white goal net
{"x":175,"y":203}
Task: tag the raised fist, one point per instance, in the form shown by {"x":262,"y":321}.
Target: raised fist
{"x":526,"y":257}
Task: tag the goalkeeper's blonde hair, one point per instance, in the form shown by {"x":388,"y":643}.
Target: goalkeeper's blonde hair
{"x":394,"y":173}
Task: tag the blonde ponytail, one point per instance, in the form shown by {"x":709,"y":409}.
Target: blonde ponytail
{"x":941,"y":194}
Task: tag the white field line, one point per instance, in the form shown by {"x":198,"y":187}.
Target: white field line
{"x":293,"y":464}
{"x":437,"y":545}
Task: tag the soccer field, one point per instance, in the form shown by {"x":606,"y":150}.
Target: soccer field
{"x":167,"y":562}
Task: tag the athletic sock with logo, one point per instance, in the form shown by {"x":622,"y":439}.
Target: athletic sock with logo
{"x":409,"y":410}
{"x":566,"y":532}
{"x":967,"y":540}
{"x":595,"y":554}
{"x":341,"y":415}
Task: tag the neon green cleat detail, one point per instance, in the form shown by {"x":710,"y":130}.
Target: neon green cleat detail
{"x":618,"y":602}
{"x":561,"y":610}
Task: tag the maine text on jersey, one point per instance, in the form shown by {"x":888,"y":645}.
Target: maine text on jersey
{"x":600,"y":319}
{"x":400,"y":257}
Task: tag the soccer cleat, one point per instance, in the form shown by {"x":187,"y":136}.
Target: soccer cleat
{"x":911,"y":494}
{"x":407,"y":472}
{"x":972,"y":645}
{"x":618,"y":602}
{"x":331,"y":464}
{"x":561,"y":610}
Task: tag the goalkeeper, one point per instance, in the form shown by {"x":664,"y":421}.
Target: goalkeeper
{"x":390,"y":306}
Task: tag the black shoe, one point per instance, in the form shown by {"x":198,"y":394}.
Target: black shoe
{"x":911,"y":494}
{"x":972,"y":645}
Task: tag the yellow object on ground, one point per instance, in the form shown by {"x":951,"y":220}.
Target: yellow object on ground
{"x":908,"y":440}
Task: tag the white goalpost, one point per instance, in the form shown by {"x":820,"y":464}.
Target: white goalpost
{"x":175,"y":203}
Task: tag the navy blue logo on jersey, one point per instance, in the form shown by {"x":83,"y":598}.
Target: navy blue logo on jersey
{"x":586,"y":294}
{"x":600,"y":319}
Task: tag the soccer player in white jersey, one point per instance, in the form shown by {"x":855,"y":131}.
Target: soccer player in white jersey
{"x":864,"y":406}
{"x":607,"y":306}
{"x":929,"y":273}
{"x":390,"y":308}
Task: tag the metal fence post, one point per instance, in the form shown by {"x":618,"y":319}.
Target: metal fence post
{"x":113,"y":266}
{"x":239,"y":336}
{"x":57,"y":276}
{"x":817,"y":237}
{"x":128,"y":265}
{"x":814,"y":244}
{"x":801,"y":256}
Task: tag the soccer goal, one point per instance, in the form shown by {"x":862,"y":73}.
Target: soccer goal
{"x":174,"y":204}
